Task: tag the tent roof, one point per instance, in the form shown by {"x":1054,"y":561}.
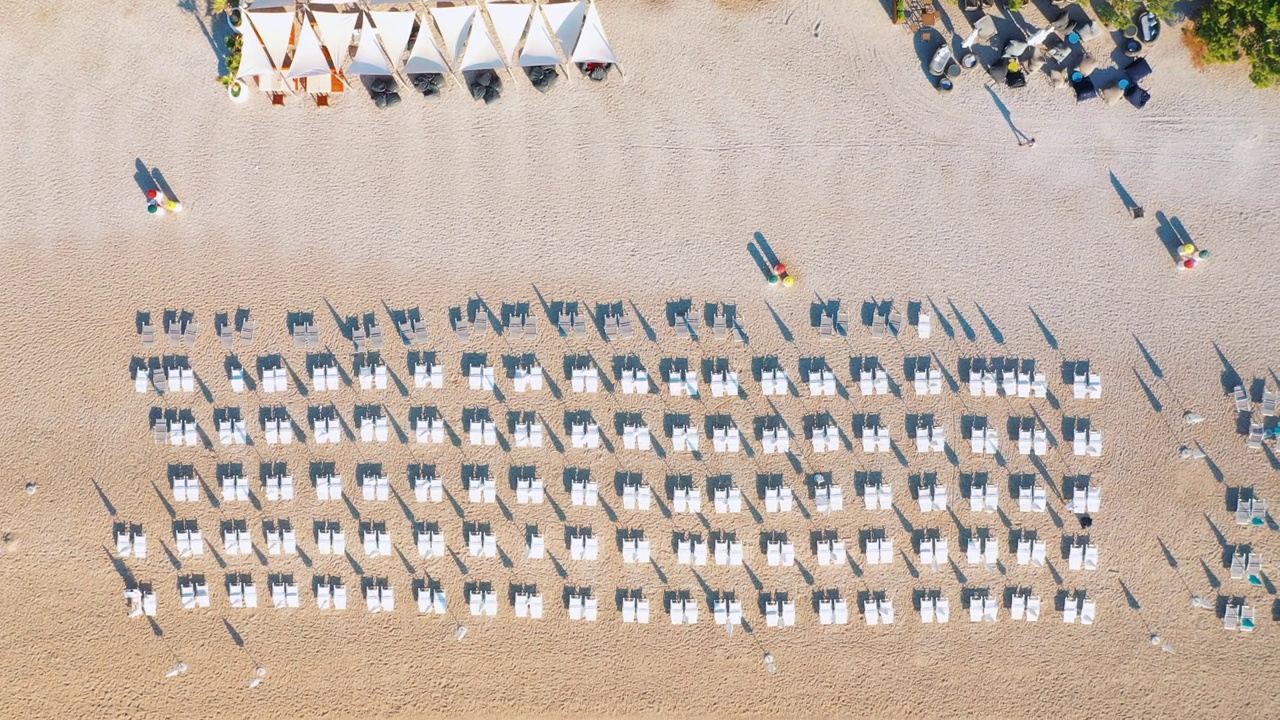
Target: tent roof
{"x":266,"y":4}
{"x":566,"y":22}
{"x":539,"y":48}
{"x":454,"y":24}
{"x":593,"y":46}
{"x":253,"y":58}
{"x":336,"y":30}
{"x":394,"y":28}
{"x":275,"y":29}
{"x":308,"y":57}
{"x":425,"y":56}
{"x":509,"y":21}
{"x":481,"y":53}
{"x":369,"y":58}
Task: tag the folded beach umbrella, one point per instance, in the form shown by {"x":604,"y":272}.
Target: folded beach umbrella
{"x":455,"y":25}
{"x":336,"y":30}
{"x":275,"y":30}
{"x":539,"y":49}
{"x":308,"y":57}
{"x":481,"y":53}
{"x":566,"y":22}
{"x":424,"y":56}
{"x":394,"y":29}
{"x":369,"y":58}
{"x":253,"y":58}
{"x":592,"y":45}
{"x":509,"y":22}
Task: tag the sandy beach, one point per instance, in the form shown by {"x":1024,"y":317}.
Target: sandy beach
{"x":808,"y":123}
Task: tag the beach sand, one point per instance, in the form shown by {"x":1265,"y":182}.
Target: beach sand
{"x":731,"y":119}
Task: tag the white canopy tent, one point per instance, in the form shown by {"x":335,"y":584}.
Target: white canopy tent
{"x":509,"y":21}
{"x":336,"y":29}
{"x":394,"y":29}
{"x":593,"y":46}
{"x":253,"y":58}
{"x":369,"y":58}
{"x":425,"y":56}
{"x":481,"y":53}
{"x":308,"y":57}
{"x":539,"y":48}
{"x":455,"y":25}
{"x":275,"y":29}
{"x":566,"y":21}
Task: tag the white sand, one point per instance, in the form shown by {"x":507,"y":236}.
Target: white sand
{"x":868,"y":183}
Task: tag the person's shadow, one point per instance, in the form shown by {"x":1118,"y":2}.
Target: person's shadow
{"x":1020,"y":136}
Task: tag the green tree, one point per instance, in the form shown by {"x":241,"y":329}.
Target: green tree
{"x":1249,"y":28}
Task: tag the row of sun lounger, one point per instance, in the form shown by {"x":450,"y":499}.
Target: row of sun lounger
{"x":636,"y":495}
{"x":374,"y":426}
{"x":280,"y":539}
{"x":526,"y":602}
{"x":373,"y":373}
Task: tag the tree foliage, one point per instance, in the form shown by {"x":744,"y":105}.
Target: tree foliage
{"x":1249,"y":28}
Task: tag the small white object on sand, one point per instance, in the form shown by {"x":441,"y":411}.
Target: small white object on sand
{"x":1191,"y":418}
{"x":31,"y":488}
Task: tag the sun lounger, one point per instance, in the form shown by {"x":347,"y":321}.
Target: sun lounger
{"x":1231,"y":617}
{"x":174,"y":330}
{"x":1088,"y":612}
{"x":226,"y":336}
{"x":924,"y":325}
{"x":989,"y":386}
{"x":148,"y":335}
{"x":1255,"y":436}
{"x":1251,"y":512}
{"x":1269,"y":399}
{"x":1040,"y":442}
{"x":826,"y":612}
{"x":1008,"y":383}
{"x":1091,"y":557}
{"x":826,"y":326}
{"x":828,"y":499}
{"x":1039,"y":386}
{"x":920,"y":381}
{"x":1018,"y":606}
{"x":1038,"y":551}
{"x":1241,"y":398}
{"x":1247,"y":620}
{"x":879,"y":325}
{"x":1093,"y":386}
